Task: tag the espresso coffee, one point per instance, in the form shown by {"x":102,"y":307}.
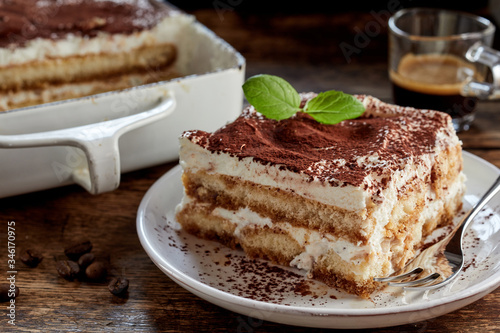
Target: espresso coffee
{"x":433,"y":81}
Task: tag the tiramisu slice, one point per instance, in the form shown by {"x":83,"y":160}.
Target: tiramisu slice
{"x":346,"y":202}
{"x":53,"y":50}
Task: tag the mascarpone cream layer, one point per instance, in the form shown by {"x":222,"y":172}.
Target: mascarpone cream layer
{"x":40,"y":49}
{"x":351,"y":198}
{"x":365,"y":261}
{"x":194,"y":158}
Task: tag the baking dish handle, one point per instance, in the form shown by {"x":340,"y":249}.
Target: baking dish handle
{"x":98,"y":141}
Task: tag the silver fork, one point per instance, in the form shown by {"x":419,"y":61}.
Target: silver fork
{"x":424,"y":271}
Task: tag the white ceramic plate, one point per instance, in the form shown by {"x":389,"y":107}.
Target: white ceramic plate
{"x":263,"y":291}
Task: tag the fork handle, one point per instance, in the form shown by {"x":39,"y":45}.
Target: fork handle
{"x":492,"y":191}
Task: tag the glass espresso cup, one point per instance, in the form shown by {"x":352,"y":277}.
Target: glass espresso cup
{"x":439,"y":59}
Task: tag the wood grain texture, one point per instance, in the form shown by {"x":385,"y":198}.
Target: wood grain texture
{"x":285,"y":46}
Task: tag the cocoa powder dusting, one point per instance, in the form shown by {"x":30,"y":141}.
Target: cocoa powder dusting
{"x":24,"y":20}
{"x":262,"y":281}
{"x":255,"y":279}
{"x":339,"y":154}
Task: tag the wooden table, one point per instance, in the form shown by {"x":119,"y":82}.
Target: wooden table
{"x":290,"y":46}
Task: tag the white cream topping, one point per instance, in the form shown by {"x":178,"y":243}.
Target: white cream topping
{"x":196,"y":158}
{"x":347,"y":197}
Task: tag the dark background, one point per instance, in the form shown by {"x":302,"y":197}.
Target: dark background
{"x":312,"y":32}
{"x":276,"y":7}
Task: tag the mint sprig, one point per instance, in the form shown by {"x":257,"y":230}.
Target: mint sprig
{"x":275,"y":98}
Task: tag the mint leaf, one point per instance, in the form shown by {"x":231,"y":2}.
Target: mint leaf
{"x":276,"y":99}
{"x":272,"y":96}
{"x":332,"y":107}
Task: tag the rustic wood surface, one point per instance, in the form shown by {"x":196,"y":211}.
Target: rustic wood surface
{"x":293,"y":47}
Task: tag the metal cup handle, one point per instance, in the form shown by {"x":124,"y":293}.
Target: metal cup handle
{"x":485,"y":55}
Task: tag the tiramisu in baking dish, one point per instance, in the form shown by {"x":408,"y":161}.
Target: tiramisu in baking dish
{"x":54,"y":50}
{"x":346,"y":202}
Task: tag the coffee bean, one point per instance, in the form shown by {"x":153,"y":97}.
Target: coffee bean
{"x":86,"y":260}
{"x":6,"y":293}
{"x":77,"y":249}
{"x":118,"y":286}
{"x":96,"y":271}
{"x":31,"y":257}
{"x":68,"y":269}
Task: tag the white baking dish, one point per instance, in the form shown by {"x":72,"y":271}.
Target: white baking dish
{"x":92,"y":140}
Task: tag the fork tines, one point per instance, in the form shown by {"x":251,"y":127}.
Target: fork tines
{"x":399,"y":280}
